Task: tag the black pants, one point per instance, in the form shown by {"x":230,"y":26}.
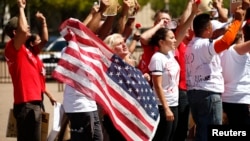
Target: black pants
{"x":28,"y":119}
{"x":183,"y":117}
{"x":166,"y":129}
{"x":114,"y":134}
{"x":237,"y":114}
{"x":85,"y":126}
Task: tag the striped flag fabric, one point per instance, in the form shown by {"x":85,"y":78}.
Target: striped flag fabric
{"x":90,"y":67}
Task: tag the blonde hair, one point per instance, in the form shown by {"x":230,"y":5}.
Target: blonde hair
{"x":110,"y":40}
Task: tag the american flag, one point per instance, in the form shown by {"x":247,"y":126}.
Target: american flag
{"x":89,"y":66}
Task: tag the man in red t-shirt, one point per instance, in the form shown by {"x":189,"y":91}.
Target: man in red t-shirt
{"x":25,"y":74}
{"x":160,"y":19}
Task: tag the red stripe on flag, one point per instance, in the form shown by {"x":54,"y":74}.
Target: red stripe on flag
{"x":86,"y":35}
{"x":112,"y":92}
{"x":71,"y":70}
{"x":117,"y":96}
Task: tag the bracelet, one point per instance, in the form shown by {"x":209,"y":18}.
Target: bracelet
{"x":44,"y":23}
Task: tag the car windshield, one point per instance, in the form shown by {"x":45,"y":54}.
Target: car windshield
{"x":58,"y":46}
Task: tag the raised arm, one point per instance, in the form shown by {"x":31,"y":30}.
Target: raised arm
{"x":123,"y":16}
{"x":94,"y":9}
{"x":183,"y":28}
{"x":222,"y":12}
{"x":93,"y":23}
{"x":242,"y":48}
{"x":106,"y":27}
{"x":23,"y":29}
{"x":186,"y":13}
{"x":44,"y":30}
{"x":135,"y":39}
{"x":130,"y":24}
{"x":145,"y":36}
{"x":231,"y":32}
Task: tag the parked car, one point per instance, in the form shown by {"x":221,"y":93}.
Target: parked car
{"x":52,"y":54}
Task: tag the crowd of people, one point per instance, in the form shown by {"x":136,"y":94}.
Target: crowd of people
{"x":200,"y":67}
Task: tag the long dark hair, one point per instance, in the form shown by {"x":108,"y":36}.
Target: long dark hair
{"x":30,"y":40}
{"x":160,"y":34}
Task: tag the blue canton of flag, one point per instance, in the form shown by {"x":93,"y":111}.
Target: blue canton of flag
{"x":133,"y":82}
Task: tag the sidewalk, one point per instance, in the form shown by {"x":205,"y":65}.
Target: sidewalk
{"x":6,"y":101}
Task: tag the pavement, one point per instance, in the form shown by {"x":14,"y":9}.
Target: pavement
{"x":6,"y":103}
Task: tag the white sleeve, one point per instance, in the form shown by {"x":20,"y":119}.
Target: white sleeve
{"x":156,"y":66}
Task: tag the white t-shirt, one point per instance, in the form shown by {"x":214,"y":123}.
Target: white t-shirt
{"x":203,"y":66}
{"x":236,"y":73}
{"x":168,"y":67}
{"x":74,"y":101}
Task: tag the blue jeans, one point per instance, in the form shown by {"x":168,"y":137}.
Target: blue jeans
{"x":85,"y":126}
{"x":28,"y":118}
{"x":206,"y":109}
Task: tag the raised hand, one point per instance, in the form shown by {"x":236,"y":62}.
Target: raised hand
{"x":245,"y":4}
{"x":40,"y":16}
{"x":21,"y":3}
{"x":239,"y":13}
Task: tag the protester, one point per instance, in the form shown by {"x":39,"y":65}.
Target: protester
{"x":35,"y":43}
{"x":95,"y":19}
{"x":204,"y":78}
{"x":162,"y":18}
{"x":183,"y":106}
{"x":236,"y":97}
{"x":83,"y":116}
{"x":116,"y":43}
{"x":23,"y":68}
{"x":219,"y":12}
{"x":82,"y":110}
{"x":219,"y":27}
{"x":165,"y":73}
{"x":126,"y":25}
{"x":72,"y":97}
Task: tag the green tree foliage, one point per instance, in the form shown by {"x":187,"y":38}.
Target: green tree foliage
{"x":58,"y":10}
{"x":176,"y":7}
{"x":143,"y":2}
{"x":157,"y":4}
{"x":78,"y":8}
